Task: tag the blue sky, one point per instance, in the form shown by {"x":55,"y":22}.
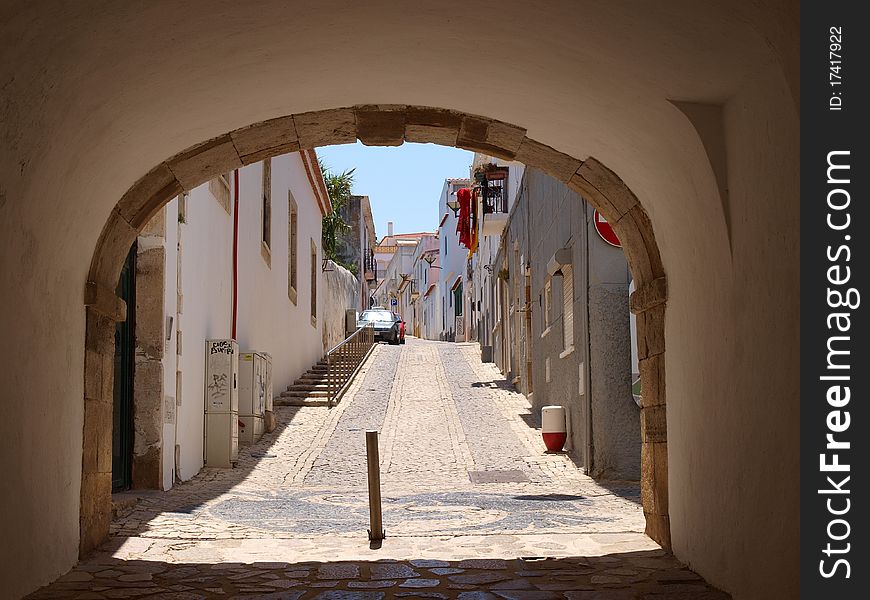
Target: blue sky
{"x":402,"y":182}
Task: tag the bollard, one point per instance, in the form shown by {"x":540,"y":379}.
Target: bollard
{"x":376,"y":531}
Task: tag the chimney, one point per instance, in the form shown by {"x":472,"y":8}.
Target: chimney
{"x":389,"y":228}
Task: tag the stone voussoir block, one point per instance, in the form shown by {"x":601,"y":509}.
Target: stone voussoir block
{"x":654,"y":477}
{"x":645,"y":225}
{"x":204,"y":161}
{"x":326,"y":127}
{"x":649,"y":296}
{"x":93,"y":375}
{"x":593,"y":196}
{"x":632,"y":235}
{"x":381,"y":125}
{"x":95,"y":515}
{"x":551,"y":161}
{"x":104,"y":301}
{"x":652,"y":378}
{"x":651,"y":332}
{"x":265,"y":139}
{"x":148,"y":195}
{"x":432,"y":125}
{"x":112,"y":248}
{"x":658,"y":527}
{"x":97,"y":437}
{"x":99,"y":332}
{"x":495,"y":138}
{"x":654,"y":423}
{"x":609,"y":184}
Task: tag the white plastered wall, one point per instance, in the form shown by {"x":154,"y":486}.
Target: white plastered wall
{"x":206,"y":287}
{"x":94,"y":99}
{"x":268,"y":320}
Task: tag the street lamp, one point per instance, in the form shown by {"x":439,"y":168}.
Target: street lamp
{"x":430,"y":258}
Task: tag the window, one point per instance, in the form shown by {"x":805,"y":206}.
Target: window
{"x":548,"y":303}
{"x":182,"y":207}
{"x":267,"y":210}
{"x":568,"y":304}
{"x":313,"y":284}
{"x":457,"y":301}
{"x":220,"y":187}
{"x":292,"y":243}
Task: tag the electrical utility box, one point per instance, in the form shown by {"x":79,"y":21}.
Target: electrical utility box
{"x":252,"y":396}
{"x":221,"y":403}
{"x":271,"y":421}
{"x":268,"y":358}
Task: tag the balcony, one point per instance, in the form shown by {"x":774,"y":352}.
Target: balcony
{"x":493,"y":189}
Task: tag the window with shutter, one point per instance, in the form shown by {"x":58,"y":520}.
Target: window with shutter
{"x":292,"y":242}
{"x":314,"y":267}
{"x":548,"y":302}
{"x":266,"y":213}
{"x":568,"y":307}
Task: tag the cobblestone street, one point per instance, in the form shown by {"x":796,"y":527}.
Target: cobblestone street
{"x":473,"y":506}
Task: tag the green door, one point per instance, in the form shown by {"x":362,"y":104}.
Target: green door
{"x":122,"y":412}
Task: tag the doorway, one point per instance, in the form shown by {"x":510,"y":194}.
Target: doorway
{"x":122,"y":402}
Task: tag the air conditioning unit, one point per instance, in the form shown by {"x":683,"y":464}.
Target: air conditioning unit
{"x":221,"y":442}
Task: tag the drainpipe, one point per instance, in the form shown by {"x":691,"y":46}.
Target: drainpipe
{"x":588,"y":350}
{"x":235,"y":248}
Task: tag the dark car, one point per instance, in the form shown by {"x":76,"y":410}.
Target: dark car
{"x":387,"y":326}
{"x":401,"y":328}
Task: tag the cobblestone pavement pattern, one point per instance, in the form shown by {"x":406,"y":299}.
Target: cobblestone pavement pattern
{"x":290,"y":521}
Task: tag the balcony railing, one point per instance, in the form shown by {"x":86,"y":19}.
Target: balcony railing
{"x":494,"y":190}
{"x":343,"y":361}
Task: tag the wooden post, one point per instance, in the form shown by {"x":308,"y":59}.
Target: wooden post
{"x":376,"y":530}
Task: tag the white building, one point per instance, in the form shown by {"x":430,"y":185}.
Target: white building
{"x":493,"y":213}
{"x":453,"y":259}
{"x":185,"y":281}
{"x":421,"y":312}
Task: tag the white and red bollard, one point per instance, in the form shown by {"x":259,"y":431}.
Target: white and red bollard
{"x":554,"y":427}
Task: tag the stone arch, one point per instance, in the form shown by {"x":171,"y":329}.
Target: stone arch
{"x":374,"y":125}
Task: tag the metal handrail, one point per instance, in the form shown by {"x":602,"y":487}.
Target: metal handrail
{"x":343,"y":361}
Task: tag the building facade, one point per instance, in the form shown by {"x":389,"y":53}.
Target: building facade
{"x":355,"y":247}
{"x":453,"y":259}
{"x":562,"y":332}
{"x":189,"y":282}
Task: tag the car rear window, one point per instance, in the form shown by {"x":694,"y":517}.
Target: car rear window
{"x":377,"y":315}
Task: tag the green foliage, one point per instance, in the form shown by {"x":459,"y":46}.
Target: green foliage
{"x":338,"y":186}
{"x":352,"y":268}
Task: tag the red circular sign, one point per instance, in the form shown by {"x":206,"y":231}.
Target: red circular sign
{"x":605,"y":230}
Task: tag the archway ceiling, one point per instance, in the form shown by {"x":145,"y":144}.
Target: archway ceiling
{"x":129,"y":85}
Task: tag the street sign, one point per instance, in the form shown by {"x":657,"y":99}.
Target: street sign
{"x":605,"y":230}
{"x":394,"y":301}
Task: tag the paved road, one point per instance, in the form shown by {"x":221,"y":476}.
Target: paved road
{"x":295,"y":509}
{"x":445,"y":418}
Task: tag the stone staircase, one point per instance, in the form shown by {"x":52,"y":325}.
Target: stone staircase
{"x":309,"y":390}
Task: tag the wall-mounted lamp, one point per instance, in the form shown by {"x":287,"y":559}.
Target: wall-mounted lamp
{"x":453,"y":203}
{"x":431,"y":258}
{"x":326,"y":266}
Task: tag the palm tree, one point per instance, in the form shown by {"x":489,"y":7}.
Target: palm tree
{"x":339,"y":187}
